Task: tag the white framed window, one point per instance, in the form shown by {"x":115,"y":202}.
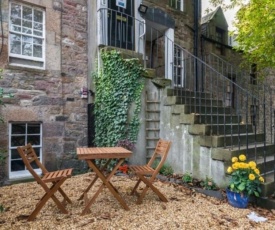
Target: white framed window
{"x":178,"y":66}
{"x":177,"y":4}
{"x":26,"y":35}
{"x":21,"y":134}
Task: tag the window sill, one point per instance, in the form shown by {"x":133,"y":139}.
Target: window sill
{"x":26,"y":68}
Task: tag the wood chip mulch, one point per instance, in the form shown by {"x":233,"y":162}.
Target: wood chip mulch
{"x":186,"y":209}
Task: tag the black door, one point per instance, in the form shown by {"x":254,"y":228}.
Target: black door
{"x":121,"y":25}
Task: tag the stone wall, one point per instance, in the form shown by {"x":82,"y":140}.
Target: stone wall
{"x":51,"y":96}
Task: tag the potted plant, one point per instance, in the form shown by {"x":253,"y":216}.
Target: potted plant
{"x":245,"y":181}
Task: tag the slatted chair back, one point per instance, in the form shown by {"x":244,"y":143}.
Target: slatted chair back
{"x":144,"y":171}
{"x":160,"y":153}
{"x":28,"y":155}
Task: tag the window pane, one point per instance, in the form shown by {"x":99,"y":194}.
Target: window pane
{"x":38,"y":26}
{"x":37,"y":51}
{"x":15,"y":47}
{"x":34,"y":165}
{"x":37,"y":33}
{"x":33,"y":129}
{"x":18,"y":129}
{"x":37,"y":41}
{"x":15,"y":10}
{"x":16,"y":21}
{"x":172,"y":3}
{"x":27,"y":23}
{"x":17,"y":141}
{"x":27,"y":31}
{"x":27,"y":39}
{"x":37,"y":151}
{"x":27,"y":49}
{"x":178,"y":4}
{"x":15,"y":154}
{"x":38,"y":16}
{"x":15,"y":28}
{"x":34,"y":140}
{"x":27,"y":13}
{"x":17,"y":165}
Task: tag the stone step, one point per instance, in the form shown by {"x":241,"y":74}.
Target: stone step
{"x":219,"y":129}
{"x":253,"y":150}
{"x":268,"y":186}
{"x":174,"y":100}
{"x":230,"y":140}
{"x":186,"y":93}
{"x":209,"y":119}
{"x":201,"y":109}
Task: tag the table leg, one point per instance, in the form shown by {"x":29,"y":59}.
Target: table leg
{"x":107,"y":183}
{"x":94,"y":180}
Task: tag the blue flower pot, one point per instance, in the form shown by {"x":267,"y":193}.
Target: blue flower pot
{"x":237,"y":200}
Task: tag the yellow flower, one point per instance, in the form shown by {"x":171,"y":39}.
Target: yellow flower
{"x":229,"y":170}
{"x":257,"y":171}
{"x":251,"y":176}
{"x":252,"y":164}
{"x":243,"y":165}
{"x":242,"y":157}
{"x":261,"y":179}
{"x":234,"y":159}
{"x":235,"y":165}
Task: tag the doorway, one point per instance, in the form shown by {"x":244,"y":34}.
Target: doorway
{"x":121,"y":25}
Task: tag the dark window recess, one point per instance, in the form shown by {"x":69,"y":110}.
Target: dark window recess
{"x":253,"y":74}
{"x":176,"y":4}
{"x":91,"y":125}
{"x":220,"y":39}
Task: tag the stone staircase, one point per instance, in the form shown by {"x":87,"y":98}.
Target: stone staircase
{"x":219,"y":127}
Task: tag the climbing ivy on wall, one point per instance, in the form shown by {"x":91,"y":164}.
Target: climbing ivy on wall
{"x":119,"y":84}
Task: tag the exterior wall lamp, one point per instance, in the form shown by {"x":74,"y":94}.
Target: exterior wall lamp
{"x":142,"y":8}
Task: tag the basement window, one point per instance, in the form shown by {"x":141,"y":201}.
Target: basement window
{"x":21,"y":134}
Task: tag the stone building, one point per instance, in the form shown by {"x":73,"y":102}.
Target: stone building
{"x":50,"y":48}
{"x":45,"y":62}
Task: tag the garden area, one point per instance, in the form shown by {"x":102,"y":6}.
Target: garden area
{"x":185,"y":209}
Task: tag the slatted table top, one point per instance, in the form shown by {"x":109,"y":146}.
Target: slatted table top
{"x":102,"y":153}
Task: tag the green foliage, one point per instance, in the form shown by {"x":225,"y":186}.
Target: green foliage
{"x":2,"y":209}
{"x":187,"y":178}
{"x":165,"y":170}
{"x":3,"y":157}
{"x":119,"y":85}
{"x":255,"y":30}
{"x":209,"y":184}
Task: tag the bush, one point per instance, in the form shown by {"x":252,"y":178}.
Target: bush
{"x":209,"y":184}
{"x":187,"y":178}
{"x":166,"y":169}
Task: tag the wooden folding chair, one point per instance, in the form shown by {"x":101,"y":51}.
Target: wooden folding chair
{"x":57,"y":178}
{"x":144,"y":171}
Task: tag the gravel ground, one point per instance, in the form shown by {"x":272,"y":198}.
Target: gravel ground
{"x":186,"y":209}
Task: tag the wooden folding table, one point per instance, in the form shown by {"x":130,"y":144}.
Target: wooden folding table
{"x":108,"y":153}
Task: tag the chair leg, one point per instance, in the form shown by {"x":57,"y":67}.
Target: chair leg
{"x":49,"y":194}
{"x":66,"y":198}
{"x":136,"y":186}
{"x":149,"y":184}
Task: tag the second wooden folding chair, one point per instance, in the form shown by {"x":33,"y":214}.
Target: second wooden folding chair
{"x":145,"y":171}
{"x":57,"y":178}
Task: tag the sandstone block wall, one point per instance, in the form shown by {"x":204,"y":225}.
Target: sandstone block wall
{"x":51,"y":96}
